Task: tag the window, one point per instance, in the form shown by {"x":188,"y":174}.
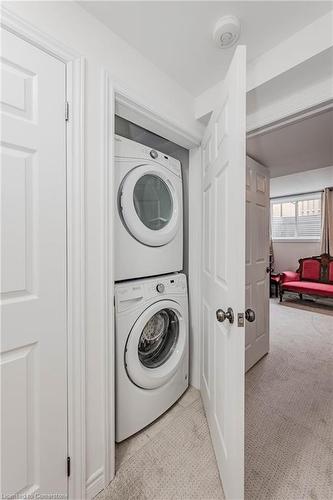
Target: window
{"x":296,"y":217}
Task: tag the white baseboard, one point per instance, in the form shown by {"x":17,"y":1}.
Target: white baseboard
{"x":95,"y":483}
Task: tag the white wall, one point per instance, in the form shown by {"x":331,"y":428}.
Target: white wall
{"x":74,"y":27}
{"x":307,"y":85}
{"x":303,"y":45}
{"x":286,"y":254}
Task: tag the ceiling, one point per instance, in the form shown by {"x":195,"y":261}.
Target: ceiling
{"x":177,"y":35}
{"x":300,"y":146}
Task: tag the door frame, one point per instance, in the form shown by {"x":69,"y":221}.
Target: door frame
{"x":75,"y":240}
{"x":288,"y":119}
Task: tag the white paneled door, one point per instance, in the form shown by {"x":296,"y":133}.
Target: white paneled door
{"x":33,"y":280}
{"x":257,"y":261}
{"x":223,"y":276}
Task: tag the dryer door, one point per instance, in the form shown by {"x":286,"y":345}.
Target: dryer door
{"x":149,"y":204}
{"x":156,"y":344}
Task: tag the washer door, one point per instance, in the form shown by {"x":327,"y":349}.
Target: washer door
{"x":149,"y":203}
{"x":156,"y":344}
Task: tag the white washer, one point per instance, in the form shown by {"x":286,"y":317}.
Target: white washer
{"x":149,"y":212}
{"x":151,"y":349}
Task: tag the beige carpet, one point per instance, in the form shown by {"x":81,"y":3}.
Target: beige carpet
{"x":289,"y":410}
{"x":171,"y":459}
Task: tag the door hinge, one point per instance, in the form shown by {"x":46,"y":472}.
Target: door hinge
{"x":66,"y":111}
{"x":68,"y":466}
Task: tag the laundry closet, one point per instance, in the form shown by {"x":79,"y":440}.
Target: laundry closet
{"x":151,"y":292}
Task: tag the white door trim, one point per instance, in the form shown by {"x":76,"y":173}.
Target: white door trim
{"x":75,"y":241}
{"x":107,"y":272}
{"x":194,"y":266}
{"x":288,"y":119}
{"x":130,"y":109}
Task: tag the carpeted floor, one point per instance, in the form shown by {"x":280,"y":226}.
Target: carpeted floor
{"x":172,"y":458}
{"x":289,"y":427}
{"x":289,"y":410}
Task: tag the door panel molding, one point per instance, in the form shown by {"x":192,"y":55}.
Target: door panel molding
{"x":75,"y":239}
{"x":223,"y":276}
{"x":257,"y":260}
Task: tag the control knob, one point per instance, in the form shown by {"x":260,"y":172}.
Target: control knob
{"x":160,"y":288}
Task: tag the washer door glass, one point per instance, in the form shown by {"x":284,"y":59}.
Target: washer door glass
{"x":158,"y":338}
{"x":156,"y":344}
{"x":153,"y":201}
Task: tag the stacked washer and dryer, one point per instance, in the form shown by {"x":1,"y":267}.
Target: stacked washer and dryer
{"x":151,"y":304}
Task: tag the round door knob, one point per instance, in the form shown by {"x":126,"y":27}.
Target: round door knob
{"x":160,"y":288}
{"x":250,"y":315}
{"x":153,"y":154}
{"x":222,"y":316}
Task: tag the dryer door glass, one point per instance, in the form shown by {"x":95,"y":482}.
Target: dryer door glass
{"x":158,"y":338}
{"x":153,"y":201}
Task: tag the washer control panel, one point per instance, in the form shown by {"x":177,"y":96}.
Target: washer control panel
{"x":160,"y":287}
{"x":175,"y":283}
{"x":132,"y":295}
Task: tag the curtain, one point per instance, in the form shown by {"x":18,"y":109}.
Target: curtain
{"x":271,"y":249}
{"x":271,"y":255}
{"x":326,"y":242}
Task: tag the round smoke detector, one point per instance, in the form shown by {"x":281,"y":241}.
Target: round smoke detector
{"x":226,"y":31}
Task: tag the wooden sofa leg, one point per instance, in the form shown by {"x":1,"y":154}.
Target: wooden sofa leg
{"x":300,"y":296}
{"x":281,"y":294}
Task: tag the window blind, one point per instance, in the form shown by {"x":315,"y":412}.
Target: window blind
{"x":296,"y":217}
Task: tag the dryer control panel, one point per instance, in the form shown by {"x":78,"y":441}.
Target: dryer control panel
{"x":126,"y":148}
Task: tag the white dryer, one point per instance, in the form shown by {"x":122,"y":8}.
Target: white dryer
{"x":151,"y":349}
{"x":149,"y":212}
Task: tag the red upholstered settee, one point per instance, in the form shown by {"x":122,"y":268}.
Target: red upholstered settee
{"x":313,"y":277}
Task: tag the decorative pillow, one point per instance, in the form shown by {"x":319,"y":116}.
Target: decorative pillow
{"x":310,"y":269}
{"x":288,"y":276}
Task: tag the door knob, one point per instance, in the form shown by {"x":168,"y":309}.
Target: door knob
{"x":250,"y":315}
{"x":222,"y":316}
